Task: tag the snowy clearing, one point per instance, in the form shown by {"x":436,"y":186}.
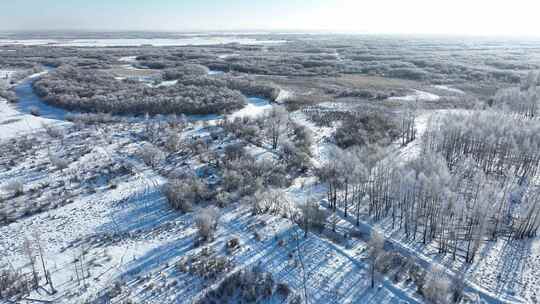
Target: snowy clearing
{"x":418,"y":95}
{"x":14,"y":123}
{"x":449,"y":89}
{"x":255,"y":107}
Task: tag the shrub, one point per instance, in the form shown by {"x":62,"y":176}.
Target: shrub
{"x":8,"y":95}
{"x":437,"y":286}
{"x":283,"y":290}
{"x":362,"y":129}
{"x":183,"y":193}
{"x":53,"y":131}
{"x":15,"y":186}
{"x":232,"y":245}
{"x":312,"y":216}
{"x":151,"y":155}
{"x":206,"y":222}
{"x":58,"y":162}
{"x":244,"y":286}
{"x":12,"y":283}
{"x":205,"y":264}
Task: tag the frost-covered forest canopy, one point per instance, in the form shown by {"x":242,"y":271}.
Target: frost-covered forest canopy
{"x":281,"y":168}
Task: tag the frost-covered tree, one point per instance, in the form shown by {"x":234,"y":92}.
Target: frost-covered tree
{"x":92,"y":90}
{"x":523,"y":100}
{"x":311,"y":216}
{"x":375,"y":251}
{"x":499,"y":143}
{"x":276,"y":124}
{"x":437,"y":286}
{"x":408,"y":123}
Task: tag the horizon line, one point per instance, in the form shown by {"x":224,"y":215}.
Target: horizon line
{"x":284,"y":31}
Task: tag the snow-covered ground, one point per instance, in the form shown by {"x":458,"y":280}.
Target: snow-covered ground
{"x":129,"y":59}
{"x":103,"y":217}
{"x":130,"y":233}
{"x":225,"y":56}
{"x":417,"y":95}
{"x":504,"y":272}
{"x":16,"y":120}
{"x":181,"y":41}
{"x":255,"y":107}
{"x":213,"y":72}
{"x":449,"y":89}
{"x":165,"y":83}
{"x":14,"y":123}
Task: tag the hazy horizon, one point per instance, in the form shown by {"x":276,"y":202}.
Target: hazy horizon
{"x":460,"y":17}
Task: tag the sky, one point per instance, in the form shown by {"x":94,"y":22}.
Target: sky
{"x":449,"y":17}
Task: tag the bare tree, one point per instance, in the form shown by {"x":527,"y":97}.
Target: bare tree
{"x":46,"y":272}
{"x":408,"y":123}
{"x":30,"y":254}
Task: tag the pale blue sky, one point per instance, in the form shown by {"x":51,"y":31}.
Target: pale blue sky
{"x":474,"y":17}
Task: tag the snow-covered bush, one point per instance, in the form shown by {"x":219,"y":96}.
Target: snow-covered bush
{"x":206,"y":264}
{"x":92,"y":118}
{"x":206,"y":220}
{"x":151,"y":155}
{"x":183,"y":194}
{"x":312,"y":216}
{"x":57,"y":161}
{"x":247,"y":286}
{"x":272,"y":201}
{"x":437,"y":287}
{"x":25,"y":143}
{"x":53,"y":131}
{"x":173,"y":142}
{"x":16,"y":187}
{"x":10,"y":96}
{"x":294,"y":158}
{"x":13,"y":284}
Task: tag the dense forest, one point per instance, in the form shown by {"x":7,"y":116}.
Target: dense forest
{"x":95,"y":91}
